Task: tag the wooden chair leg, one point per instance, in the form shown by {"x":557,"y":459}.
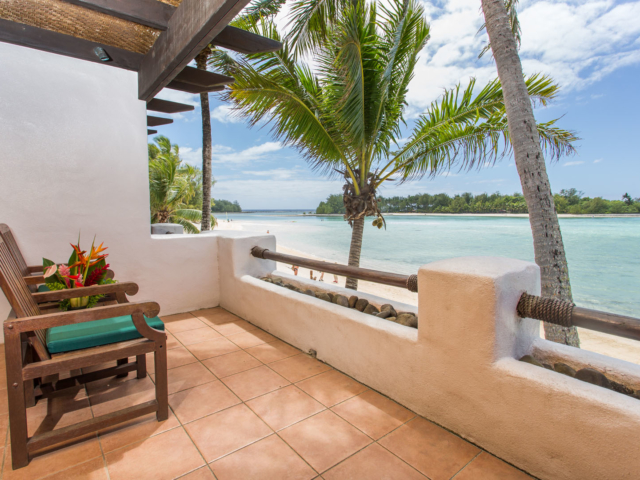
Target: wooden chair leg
{"x":17,"y":406}
{"x":141,"y":360}
{"x":162,"y":387}
{"x":123,"y":361}
{"x":29,"y":394}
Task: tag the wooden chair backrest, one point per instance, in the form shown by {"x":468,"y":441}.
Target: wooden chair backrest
{"x":10,"y":241}
{"x":19,"y":296}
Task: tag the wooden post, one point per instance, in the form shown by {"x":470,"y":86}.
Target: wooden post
{"x":162,"y":387}
{"x":141,"y":360}
{"x":15,"y":391}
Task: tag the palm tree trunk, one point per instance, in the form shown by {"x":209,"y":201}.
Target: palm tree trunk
{"x":547,"y":239}
{"x":201,"y":61}
{"x":354,"y":251}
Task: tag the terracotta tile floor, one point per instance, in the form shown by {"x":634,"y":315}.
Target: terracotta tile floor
{"x":246,"y":406}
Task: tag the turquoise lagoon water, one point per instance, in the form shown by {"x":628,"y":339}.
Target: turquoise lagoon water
{"x":603,"y":253}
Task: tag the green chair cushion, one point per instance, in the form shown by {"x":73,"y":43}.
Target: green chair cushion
{"x":43,"y":288}
{"x":93,"y":334}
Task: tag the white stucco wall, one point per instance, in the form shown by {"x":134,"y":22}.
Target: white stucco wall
{"x":460,"y":367}
{"x":73,"y":157}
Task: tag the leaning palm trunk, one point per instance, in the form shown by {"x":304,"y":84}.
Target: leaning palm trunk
{"x":354,"y":250}
{"x":547,"y":239}
{"x":201,"y":61}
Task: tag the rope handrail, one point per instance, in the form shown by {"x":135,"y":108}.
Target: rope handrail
{"x":410,"y":282}
{"x":566,"y":314}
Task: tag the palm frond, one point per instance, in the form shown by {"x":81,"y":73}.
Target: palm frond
{"x":186,"y":224}
{"x":287,"y":95}
{"x":469,"y":131}
{"x":311,"y":22}
{"x":256,"y":11}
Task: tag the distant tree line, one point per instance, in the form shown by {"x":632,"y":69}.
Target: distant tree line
{"x":567,"y":201}
{"x":225,"y":206}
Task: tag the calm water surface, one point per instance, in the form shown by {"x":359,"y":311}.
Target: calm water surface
{"x":603,"y":253}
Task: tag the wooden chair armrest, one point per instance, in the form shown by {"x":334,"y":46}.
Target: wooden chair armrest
{"x":129,"y":288}
{"x":136,"y":310}
{"x":34,"y":279}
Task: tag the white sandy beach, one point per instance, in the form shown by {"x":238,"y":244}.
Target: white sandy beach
{"x":617,"y":347}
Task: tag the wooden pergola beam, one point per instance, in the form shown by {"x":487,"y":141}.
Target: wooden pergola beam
{"x":193,"y":25}
{"x":54,"y":42}
{"x":203,"y":78}
{"x":242,"y":41}
{"x":157,"y":121}
{"x":165,"y":106}
{"x":191,"y":88}
{"x":151,"y":13}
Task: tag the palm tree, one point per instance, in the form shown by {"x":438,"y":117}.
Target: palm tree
{"x":169,"y":189}
{"x":253,"y":13}
{"x":201,"y":62}
{"x":345,"y":120}
{"x":547,"y":238}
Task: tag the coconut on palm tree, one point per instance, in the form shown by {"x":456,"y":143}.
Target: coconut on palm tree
{"x":346,"y":117}
{"x":170,"y":189}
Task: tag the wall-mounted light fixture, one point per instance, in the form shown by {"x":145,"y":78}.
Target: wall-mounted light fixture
{"x":101,"y":54}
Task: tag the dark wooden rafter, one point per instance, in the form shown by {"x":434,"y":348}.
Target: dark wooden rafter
{"x":54,"y":42}
{"x":165,"y":106}
{"x":153,"y":121}
{"x":151,"y":132}
{"x":242,"y":41}
{"x":191,"y":88}
{"x":203,"y":78}
{"x":150,"y":13}
{"x":191,"y":28}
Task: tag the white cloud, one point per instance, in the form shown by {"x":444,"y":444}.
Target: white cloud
{"x":223,"y":114}
{"x":191,"y":156}
{"x":249,"y":154}
{"x":276,"y":173}
{"x":575,"y":41}
{"x":573,"y":164}
{"x":598,"y":160}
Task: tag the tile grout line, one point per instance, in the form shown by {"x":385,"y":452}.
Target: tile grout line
{"x":466,"y":465}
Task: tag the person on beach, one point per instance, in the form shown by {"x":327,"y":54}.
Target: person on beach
{"x":295,"y":269}
{"x":311,"y":275}
{"x":335,"y":278}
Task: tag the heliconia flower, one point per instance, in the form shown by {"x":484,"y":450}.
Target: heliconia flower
{"x":64,"y":270}
{"x":50,"y":271}
{"x":95,"y":252}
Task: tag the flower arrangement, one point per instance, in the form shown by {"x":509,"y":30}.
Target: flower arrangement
{"x":82,"y":270}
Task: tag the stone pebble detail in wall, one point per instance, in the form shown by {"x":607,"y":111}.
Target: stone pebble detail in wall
{"x":386,"y":311}
{"x":585,"y":374}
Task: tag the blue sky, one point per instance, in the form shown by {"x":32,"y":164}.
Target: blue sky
{"x":592,"y":49}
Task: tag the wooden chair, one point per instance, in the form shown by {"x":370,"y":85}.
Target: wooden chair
{"x":78,"y":344}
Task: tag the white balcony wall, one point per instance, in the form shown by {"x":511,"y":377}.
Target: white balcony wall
{"x":73,"y":158}
{"x":460,"y":367}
